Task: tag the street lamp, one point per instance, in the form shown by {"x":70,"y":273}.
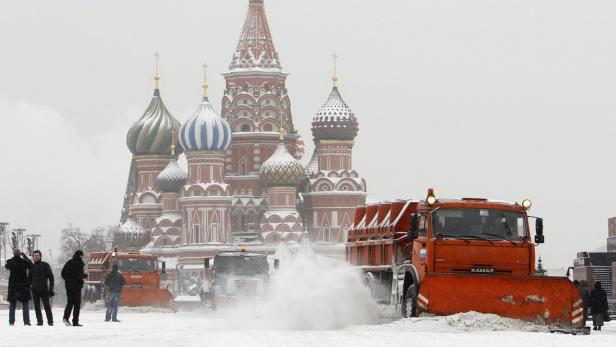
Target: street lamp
{"x":3,"y":226}
{"x":18,"y":238}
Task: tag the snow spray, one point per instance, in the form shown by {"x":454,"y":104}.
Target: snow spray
{"x":310,"y":292}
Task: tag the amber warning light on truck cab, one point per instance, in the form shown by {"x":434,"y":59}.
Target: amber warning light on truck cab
{"x":431,"y":198}
{"x":527,"y":204}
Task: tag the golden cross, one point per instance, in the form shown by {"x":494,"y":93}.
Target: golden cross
{"x":335,"y":76}
{"x":205,"y":85}
{"x":156,"y":75}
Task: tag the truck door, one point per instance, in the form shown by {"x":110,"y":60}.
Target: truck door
{"x":419,"y":254}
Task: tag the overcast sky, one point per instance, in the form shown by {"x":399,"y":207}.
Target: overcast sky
{"x":501,"y":99}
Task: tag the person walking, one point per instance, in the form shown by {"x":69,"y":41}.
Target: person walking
{"x":73,"y":276}
{"x":42,"y":281}
{"x":114,"y":283}
{"x":598,"y":306}
{"x":19,"y":285}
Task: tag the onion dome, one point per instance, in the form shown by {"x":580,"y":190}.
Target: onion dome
{"x":172,"y":178}
{"x":313,"y":165}
{"x":205,"y":130}
{"x":130,"y":235}
{"x":281,"y":169}
{"x":335,"y":120}
{"x":156,"y":130}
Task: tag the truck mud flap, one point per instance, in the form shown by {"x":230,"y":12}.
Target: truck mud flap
{"x":146,"y":297}
{"x":546,"y":300}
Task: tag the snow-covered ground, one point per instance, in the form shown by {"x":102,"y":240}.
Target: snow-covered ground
{"x":204,"y":328}
{"x":314,"y":301}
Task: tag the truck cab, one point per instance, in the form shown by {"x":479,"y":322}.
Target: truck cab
{"x":237,"y":274}
{"x":471,"y":235}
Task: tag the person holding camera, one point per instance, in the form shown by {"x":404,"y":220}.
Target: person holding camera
{"x":19,"y":285}
{"x":73,"y":275}
{"x":41,"y":278}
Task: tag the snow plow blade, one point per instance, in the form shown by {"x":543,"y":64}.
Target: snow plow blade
{"x":552,"y":301}
{"x":146,"y":297}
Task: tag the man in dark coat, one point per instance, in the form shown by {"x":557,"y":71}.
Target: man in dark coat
{"x":19,"y":285}
{"x":73,"y":276}
{"x":114,"y":283}
{"x":41,"y":278}
{"x":598,"y":305}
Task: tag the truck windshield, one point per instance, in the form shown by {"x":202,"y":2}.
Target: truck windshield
{"x":241,"y":265}
{"x":135,"y":264}
{"x":479,"y":224}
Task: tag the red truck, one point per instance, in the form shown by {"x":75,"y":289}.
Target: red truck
{"x":141,"y":273}
{"x":446,"y":256}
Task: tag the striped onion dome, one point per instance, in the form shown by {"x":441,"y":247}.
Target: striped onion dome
{"x":282,"y":169}
{"x":172,"y":178}
{"x":153,"y":132}
{"x":334,"y":120}
{"x":205,"y":130}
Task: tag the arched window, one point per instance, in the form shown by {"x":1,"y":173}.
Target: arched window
{"x":267,"y":127}
{"x":327,"y":234}
{"x":237,"y":221}
{"x":196,"y":234}
{"x":243,"y":167}
{"x":245,"y":128}
{"x":251,"y":220}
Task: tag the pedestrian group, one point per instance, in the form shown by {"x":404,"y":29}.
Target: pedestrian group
{"x":35,"y":281}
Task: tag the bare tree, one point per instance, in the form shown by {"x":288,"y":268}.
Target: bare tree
{"x":72,"y":239}
{"x":98,"y":240}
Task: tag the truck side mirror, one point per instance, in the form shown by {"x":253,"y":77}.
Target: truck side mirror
{"x":276,"y":264}
{"x":206,"y":263}
{"x":539,"y":238}
{"x":412,"y":234}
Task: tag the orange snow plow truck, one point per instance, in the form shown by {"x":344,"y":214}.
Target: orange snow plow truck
{"x":140,"y":272}
{"x":444,"y":257}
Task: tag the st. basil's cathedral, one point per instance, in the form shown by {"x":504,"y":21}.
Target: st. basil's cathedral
{"x":244,"y":182}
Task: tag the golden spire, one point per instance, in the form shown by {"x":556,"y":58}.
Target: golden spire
{"x":205,"y":85}
{"x":172,"y":140}
{"x":281,"y":129}
{"x":335,"y":75}
{"x":156,"y":75}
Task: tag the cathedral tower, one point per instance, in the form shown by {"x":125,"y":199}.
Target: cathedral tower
{"x":282,"y":173}
{"x":205,"y":199}
{"x":150,"y":140}
{"x":256,"y":105}
{"x":332,"y":189}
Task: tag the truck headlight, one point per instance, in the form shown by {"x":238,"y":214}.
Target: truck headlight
{"x":527,"y":204}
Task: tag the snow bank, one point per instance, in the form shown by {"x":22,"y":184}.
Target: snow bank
{"x":464,"y":322}
{"x":478,"y":321}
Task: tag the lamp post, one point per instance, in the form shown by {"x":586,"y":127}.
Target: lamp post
{"x":3,"y":226}
{"x":32,"y":243}
{"x":18,"y":238}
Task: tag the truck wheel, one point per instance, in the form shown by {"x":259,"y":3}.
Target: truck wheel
{"x":409,"y":304}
